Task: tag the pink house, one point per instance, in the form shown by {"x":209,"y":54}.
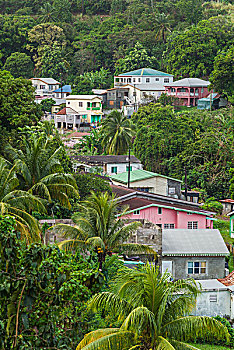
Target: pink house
{"x":188,"y":90}
{"x":165,"y":212}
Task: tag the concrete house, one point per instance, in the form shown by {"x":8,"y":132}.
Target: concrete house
{"x":199,"y":254}
{"x":164,"y":212}
{"x":88,"y":107}
{"x":62,"y":92}
{"x":228,"y":205}
{"x":216,"y":298}
{"x":67,"y":118}
{"x":45,"y":86}
{"x":142,"y":180}
{"x":109,"y":164}
{"x":188,"y":90}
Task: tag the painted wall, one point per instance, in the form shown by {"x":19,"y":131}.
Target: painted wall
{"x":215,"y":267}
{"x":73,"y":103}
{"x":122,"y":167}
{"x":170,"y":216}
{"x":206,"y":307}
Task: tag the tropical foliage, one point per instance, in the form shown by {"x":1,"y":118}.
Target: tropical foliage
{"x":18,"y":203}
{"x":118,"y":133}
{"x":153,"y":311}
{"x":98,"y":228}
{"x":40,"y":171}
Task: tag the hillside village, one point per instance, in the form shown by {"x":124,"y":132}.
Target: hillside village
{"x":116,"y":175}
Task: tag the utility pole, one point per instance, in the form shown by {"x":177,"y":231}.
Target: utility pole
{"x":129,"y":164}
{"x":185,"y":185}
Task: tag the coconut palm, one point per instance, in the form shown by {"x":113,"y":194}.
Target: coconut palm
{"x":154,"y":314}
{"x":47,"y":13}
{"x":118,"y":132}
{"x":40,"y":172}
{"x":97,"y":227}
{"x":162,"y":26}
{"x":18,"y":203}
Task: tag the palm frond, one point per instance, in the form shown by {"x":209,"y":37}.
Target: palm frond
{"x":187,"y":327}
{"x":109,"y":302}
{"x":140,"y":319}
{"x":72,"y":244}
{"x":68,"y":231}
{"x":95,"y":242}
{"x":137,"y":248}
{"x":118,"y":340}
{"x":183,"y":346}
{"x":164,"y":344}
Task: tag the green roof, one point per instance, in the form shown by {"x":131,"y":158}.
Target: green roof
{"x":137,"y":175}
{"x":146,"y":71}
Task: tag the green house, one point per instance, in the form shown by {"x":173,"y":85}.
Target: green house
{"x":231,"y":229}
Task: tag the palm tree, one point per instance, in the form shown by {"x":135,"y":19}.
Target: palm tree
{"x":40,"y":172}
{"x":98,"y":227}
{"x":154,"y":314}
{"x":118,"y":133}
{"x":47,"y":13}
{"x":162,"y":26}
{"x":18,"y":203}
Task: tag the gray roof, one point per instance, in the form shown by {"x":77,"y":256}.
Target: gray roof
{"x":189,"y":82}
{"x":200,"y":242}
{"x":48,"y":80}
{"x":105,"y":159}
{"x":211,"y":285}
{"x":145,"y":72}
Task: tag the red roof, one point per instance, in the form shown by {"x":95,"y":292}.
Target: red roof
{"x":229,"y":280}
{"x":62,"y":112}
{"x":227,"y":200}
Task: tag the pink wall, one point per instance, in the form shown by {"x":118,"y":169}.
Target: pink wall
{"x":170,"y":216}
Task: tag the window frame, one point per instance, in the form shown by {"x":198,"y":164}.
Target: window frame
{"x":166,"y":80}
{"x":193,"y":225}
{"x":196,"y":267}
{"x":136,"y":212}
{"x":114,"y":172}
{"x":159,"y":210}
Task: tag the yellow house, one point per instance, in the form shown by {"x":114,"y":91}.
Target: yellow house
{"x":89,"y":107}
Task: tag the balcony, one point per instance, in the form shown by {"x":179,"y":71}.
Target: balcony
{"x":93,"y":108}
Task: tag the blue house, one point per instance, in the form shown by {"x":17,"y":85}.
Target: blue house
{"x":62,"y":92}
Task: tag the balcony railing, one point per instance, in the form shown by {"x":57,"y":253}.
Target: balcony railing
{"x":93,"y":108}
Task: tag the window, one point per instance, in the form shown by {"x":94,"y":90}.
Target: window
{"x":166,"y":80}
{"x":50,"y":87}
{"x":57,"y":94}
{"x":114,"y":169}
{"x":196,"y":267}
{"x":147,"y":80}
{"x":189,"y":213}
{"x":159,"y":210}
{"x":117,"y":80}
{"x":80,"y":104}
{"x":202,"y":90}
{"x":192,"y":225}
{"x":88,"y":104}
{"x":134,"y":80}
{"x":167,"y":226}
{"x":156,"y":79}
{"x":42,"y":87}
{"x":136,"y":212}
{"x":111,"y":103}
{"x":171,"y":190}
{"x":128,"y":168}
{"x":68,"y":103}
{"x":213,"y":298}
{"x":139,"y":80}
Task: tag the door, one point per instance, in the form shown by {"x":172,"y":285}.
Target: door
{"x":167,"y":266}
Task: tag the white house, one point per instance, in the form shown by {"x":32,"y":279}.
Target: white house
{"x":88,"y":107}
{"x":45,"y":86}
{"x":142,"y":82}
{"x":109,"y":164}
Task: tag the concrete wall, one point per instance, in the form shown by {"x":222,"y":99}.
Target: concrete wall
{"x":122,"y":167}
{"x":176,"y":185}
{"x":206,"y":307}
{"x":215,"y":267}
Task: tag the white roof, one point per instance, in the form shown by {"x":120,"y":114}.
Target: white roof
{"x":211,"y":285}
{"x":47,"y":80}
{"x":189,"y":82}
{"x":196,"y":242}
{"x":231,"y":213}
{"x":99,"y":91}
{"x":82,"y":97}
{"x":149,"y":87}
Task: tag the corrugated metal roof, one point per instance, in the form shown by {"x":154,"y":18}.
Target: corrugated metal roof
{"x":110,"y":159}
{"x":199,"y":242}
{"x":210,"y":284}
{"x":145,"y":72}
{"x":189,"y":82}
{"x":137,"y":175}
{"x":48,"y":80}
{"x":65,"y":88}
{"x":229,"y":280}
